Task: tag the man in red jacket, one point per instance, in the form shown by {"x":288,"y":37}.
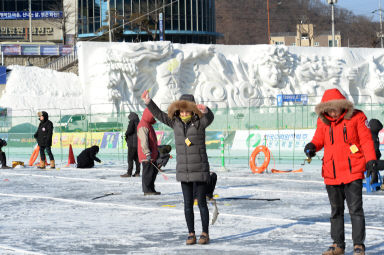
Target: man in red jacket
{"x":147,"y":152}
{"x":348,"y":151}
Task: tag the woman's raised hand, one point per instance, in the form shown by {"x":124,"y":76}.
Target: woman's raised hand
{"x":145,"y":96}
{"x":202,"y":108}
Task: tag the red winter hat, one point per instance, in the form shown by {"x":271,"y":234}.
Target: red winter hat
{"x":333,"y":99}
{"x":332,"y":94}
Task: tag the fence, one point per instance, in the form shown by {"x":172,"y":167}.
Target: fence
{"x":62,"y":62}
{"x":285,"y":130}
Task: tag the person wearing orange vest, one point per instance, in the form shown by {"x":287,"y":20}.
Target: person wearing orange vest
{"x":148,"y":152}
{"x":348,"y":151}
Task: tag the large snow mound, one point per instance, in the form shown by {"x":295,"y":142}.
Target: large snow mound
{"x":37,"y":88}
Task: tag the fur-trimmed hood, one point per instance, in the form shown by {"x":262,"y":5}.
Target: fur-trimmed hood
{"x":175,"y":107}
{"x":333,"y":99}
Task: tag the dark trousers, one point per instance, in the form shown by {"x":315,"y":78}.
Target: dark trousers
{"x":148,"y":177}
{"x":187,"y":188}
{"x":133,"y":157}
{"x":352,"y":192}
{"x":3,"y":159}
{"x":49,"y":152}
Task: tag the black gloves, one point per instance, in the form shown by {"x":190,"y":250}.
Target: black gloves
{"x":310,"y":150}
{"x":372,"y":172}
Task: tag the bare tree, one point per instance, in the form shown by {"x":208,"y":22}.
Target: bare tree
{"x":66,"y":23}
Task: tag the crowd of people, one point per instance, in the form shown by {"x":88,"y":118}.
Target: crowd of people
{"x":350,"y":144}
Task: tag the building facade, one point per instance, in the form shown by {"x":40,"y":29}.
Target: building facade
{"x":305,"y":36}
{"x":45,"y":24}
{"x":179,"y":21}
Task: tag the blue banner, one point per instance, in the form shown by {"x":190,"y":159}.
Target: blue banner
{"x":296,"y":98}
{"x":3,"y":76}
{"x":161,"y":26}
{"x":35,"y":15}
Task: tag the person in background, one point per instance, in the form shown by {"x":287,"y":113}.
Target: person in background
{"x":3,"y":159}
{"x":131,"y":139}
{"x":148,"y":152}
{"x":189,"y":122}
{"x":375,"y":125}
{"x":87,"y":157}
{"x":348,"y":151}
{"x":43,"y":136}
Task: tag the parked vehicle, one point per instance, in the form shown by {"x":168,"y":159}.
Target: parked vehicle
{"x":80,"y":123}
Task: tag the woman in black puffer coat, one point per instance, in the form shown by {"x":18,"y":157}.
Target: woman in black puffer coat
{"x":189,"y":122}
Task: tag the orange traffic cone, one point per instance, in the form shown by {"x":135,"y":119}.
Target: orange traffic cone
{"x":34,"y":155}
{"x":71,"y":157}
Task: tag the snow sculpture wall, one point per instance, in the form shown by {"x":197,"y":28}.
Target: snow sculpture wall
{"x":114,"y":75}
{"x":226,"y":76}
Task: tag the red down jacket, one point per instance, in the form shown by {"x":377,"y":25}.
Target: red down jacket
{"x":340,"y":164}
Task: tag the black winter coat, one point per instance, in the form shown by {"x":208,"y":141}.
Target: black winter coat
{"x":44,"y":132}
{"x":131,"y":133}
{"x":87,"y":157}
{"x":192,"y":161}
{"x":375,"y":126}
{"x":2,"y":143}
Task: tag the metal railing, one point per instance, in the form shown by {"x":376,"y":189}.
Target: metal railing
{"x":63,"y":62}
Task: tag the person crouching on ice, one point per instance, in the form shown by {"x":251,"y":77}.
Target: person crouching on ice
{"x":43,"y":136}
{"x":87,"y":157}
{"x":3,"y":159}
{"x":189,"y":122}
{"x":348,"y":151}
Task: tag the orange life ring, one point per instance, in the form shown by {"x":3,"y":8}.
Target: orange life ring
{"x":34,"y":155}
{"x":252,"y":161}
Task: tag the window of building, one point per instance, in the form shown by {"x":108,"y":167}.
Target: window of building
{"x":293,"y":44}
{"x":317,"y":44}
{"x":279,"y":43}
{"x":304,"y":36}
{"x":330,"y":43}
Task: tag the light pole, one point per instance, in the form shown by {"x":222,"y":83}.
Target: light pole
{"x":30,"y":20}
{"x":381,"y":24}
{"x":332,"y":3}
{"x":109,"y":21}
{"x":269,"y":30}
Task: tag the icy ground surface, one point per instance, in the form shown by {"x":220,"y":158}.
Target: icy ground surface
{"x":52,"y":212}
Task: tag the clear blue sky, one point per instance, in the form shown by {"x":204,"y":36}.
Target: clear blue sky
{"x":362,"y":7}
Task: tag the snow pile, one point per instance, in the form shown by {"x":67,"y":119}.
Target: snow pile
{"x":36,"y":88}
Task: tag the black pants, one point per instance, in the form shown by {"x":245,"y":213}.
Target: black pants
{"x":148,"y":178}
{"x":49,"y":152}
{"x":3,"y":159}
{"x":187,"y":188}
{"x":132,"y":156}
{"x":352,"y":192}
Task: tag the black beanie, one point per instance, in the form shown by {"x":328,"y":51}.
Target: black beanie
{"x":188,"y":97}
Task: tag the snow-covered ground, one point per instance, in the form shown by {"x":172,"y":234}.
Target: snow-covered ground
{"x":52,"y":212}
